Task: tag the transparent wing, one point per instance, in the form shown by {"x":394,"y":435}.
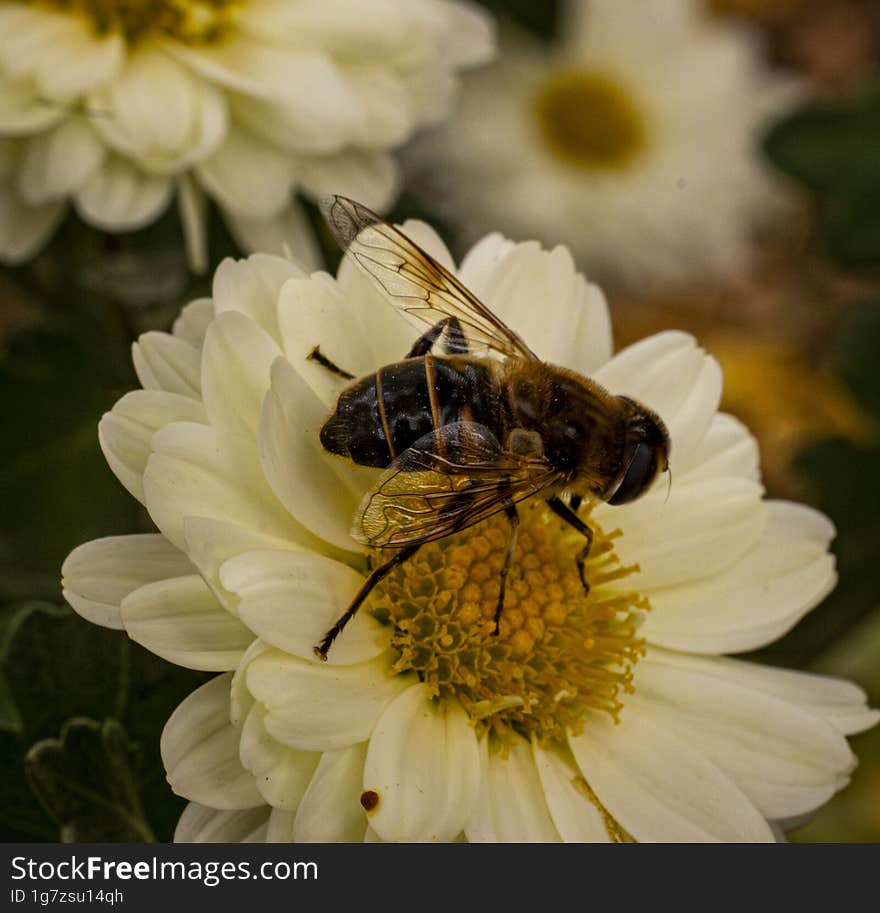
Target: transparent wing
{"x":448,"y":480}
{"x":412,"y":279}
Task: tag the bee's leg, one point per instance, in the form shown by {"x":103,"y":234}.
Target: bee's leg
{"x":561,"y":509}
{"x":454,"y":343}
{"x":513,"y":516}
{"x":379,"y":574}
{"x":574,"y":502}
{"x":316,"y":356}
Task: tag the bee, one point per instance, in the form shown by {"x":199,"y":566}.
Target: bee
{"x":476,"y":428}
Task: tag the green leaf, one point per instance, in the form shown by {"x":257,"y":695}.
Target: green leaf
{"x":12,"y":618}
{"x":826,"y":146}
{"x":85,"y":780}
{"x":833,"y":149}
{"x":55,"y":382}
{"x":58,"y":667}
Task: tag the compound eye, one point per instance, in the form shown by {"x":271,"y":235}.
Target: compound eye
{"x":638,"y":476}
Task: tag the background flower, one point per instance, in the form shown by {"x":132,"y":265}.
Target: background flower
{"x":632,"y":137}
{"x":254,"y":560}
{"x":120,"y":108}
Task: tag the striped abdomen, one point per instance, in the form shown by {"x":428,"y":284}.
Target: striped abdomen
{"x":380,"y":416}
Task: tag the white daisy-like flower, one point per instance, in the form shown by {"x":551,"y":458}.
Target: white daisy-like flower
{"x":633,"y":138}
{"x":602,"y":717}
{"x":119,"y":107}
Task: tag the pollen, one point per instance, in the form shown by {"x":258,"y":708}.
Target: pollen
{"x":188,"y":21}
{"x":559,"y":651}
{"x":589,"y":121}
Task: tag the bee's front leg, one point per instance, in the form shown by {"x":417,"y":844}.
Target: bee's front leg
{"x":513,"y":516}
{"x":563,"y":510}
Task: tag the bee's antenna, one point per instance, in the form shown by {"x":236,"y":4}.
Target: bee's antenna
{"x":669,"y":485}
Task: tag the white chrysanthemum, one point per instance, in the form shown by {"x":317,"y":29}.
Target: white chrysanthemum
{"x":633,"y":138}
{"x":575,"y":723}
{"x":119,"y":107}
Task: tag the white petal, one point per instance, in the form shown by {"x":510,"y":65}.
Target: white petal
{"x":836,"y":700}
{"x":98,"y":575}
{"x":64,"y":53}
{"x":424,"y":763}
{"x":786,"y":760}
{"x":158,"y":115}
{"x":539,"y":295}
{"x":282,"y":774}
{"x":181,"y":621}
{"x":766,"y":592}
{"x":291,"y":599}
{"x":236,"y":359}
{"x":196,"y":471}
{"x":119,"y":197}
{"x":23,"y":110}
{"x":728,"y":449}
{"x":471,"y":33}
{"x":200,"y":751}
{"x":210,"y":543}
{"x":194,"y":320}
{"x":317,"y":488}
{"x":248,"y":176}
{"x":24,"y":229}
{"x":659,"y":788}
{"x":576,"y":817}
{"x":312,"y":120}
{"x":165,"y":362}
{"x":253,"y":286}
{"x":511,"y":807}
{"x":671,"y":375}
{"x":314,"y":313}
{"x":316,"y":706}
{"x":384,"y":332}
{"x":368,"y":177}
{"x":704,"y":527}
{"x":289,"y":233}
{"x":280,"y":829}
{"x":240,"y":699}
{"x":200,"y":824}
{"x":58,"y":162}
{"x":330,"y":811}
{"x":126,"y":431}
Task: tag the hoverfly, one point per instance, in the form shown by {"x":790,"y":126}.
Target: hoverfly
{"x":473,"y":431}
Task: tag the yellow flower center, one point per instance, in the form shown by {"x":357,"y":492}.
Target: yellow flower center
{"x":589,"y":121}
{"x":189,"y":21}
{"x":559,"y":651}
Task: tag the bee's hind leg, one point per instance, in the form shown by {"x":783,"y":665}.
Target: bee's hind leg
{"x":454,"y":342}
{"x":513,"y":516}
{"x":563,"y":510}
{"x":378,"y":574}
{"x":319,"y":358}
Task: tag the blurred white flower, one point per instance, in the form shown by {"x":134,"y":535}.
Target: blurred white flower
{"x":633,"y":138}
{"x":611,"y":716}
{"x":119,"y":107}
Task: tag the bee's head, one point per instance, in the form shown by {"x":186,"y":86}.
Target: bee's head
{"x":645,"y":453}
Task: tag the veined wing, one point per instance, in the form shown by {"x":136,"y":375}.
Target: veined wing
{"x":413,"y":280}
{"x":447,"y":481}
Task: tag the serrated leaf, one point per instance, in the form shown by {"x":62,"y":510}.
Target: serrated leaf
{"x":85,"y":780}
{"x":12,"y":618}
{"x":57,"y":667}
